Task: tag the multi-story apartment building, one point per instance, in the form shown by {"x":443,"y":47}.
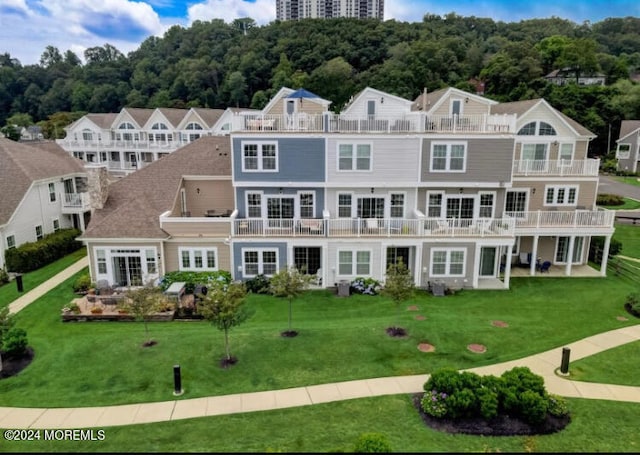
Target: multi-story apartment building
{"x":133,"y":138}
{"x":326,"y":9}
{"x":462,"y":188}
{"x":628,"y":146}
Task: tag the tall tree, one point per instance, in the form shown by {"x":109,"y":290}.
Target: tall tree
{"x":224,"y":306}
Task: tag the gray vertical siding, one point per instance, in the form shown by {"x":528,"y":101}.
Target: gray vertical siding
{"x":488,"y":160}
{"x":300,"y":159}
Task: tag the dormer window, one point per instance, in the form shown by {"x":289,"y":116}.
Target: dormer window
{"x":537,"y":129}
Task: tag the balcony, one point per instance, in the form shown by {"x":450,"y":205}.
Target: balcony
{"x":587,"y":222}
{"x":109,"y":145}
{"x":75,"y":202}
{"x":412,"y":122}
{"x":560,"y":168}
{"x":373,"y":227}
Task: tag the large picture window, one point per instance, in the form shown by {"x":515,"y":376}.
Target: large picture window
{"x":561,"y":195}
{"x":259,"y":157}
{"x":198,"y":259}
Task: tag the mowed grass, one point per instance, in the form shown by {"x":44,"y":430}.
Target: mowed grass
{"x":596,"y":426}
{"x":87,"y":364}
{"x":629,"y":235}
{"x":613,"y":366}
{"x":9,"y":292}
{"x":629,"y":204}
{"x":635,"y":181}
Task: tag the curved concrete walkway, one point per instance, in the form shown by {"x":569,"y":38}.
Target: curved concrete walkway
{"x":543,"y":364}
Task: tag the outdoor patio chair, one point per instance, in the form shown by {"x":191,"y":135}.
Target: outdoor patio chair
{"x":545,"y":267}
{"x":525,"y":259}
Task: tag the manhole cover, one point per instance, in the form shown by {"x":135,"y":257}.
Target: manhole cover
{"x":477,"y":348}
{"x":419,"y":317}
{"x":499,"y":324}
{"x":426,"y":347}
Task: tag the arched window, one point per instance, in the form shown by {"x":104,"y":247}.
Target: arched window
{"x":528,"y":130}
{"x":126,"y":126}
{"x":162,"y":138}
{"x":537,"y":129}
{"x":159,"y":126}
{"x":546,"y":130}
{"x":194,"y":126}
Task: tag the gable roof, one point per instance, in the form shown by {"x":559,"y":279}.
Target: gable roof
{"x":377,"y":92}
{"x":135,"y":202}
{"x":21,"y":165}
{"x":627,"y":128}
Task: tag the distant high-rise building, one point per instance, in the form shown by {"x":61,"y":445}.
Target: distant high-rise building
{"x":325,"y":9}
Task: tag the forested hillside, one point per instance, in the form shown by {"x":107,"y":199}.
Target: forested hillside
{"x":214,"y":64}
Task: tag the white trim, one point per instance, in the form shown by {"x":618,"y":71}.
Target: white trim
{"x":448,"y":145}
{"x":354,"y":157}
{"x":192,"y":259}
{"x":565,"y":202}
{"x":354,"y":262}
{"x":246,"y":202}
{"x":260,"y":156}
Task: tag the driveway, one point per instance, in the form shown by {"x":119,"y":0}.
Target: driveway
{"x":610,"y":186}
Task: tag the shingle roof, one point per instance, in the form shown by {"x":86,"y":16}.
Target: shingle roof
{"x":21,"y":165}
{"x":209,"y":116}
{"x":139,"y":115}
{"x":431,"y":99}
{"x":136,"y":202}
{"x":174,"y":116}
{"x":628,"y":126}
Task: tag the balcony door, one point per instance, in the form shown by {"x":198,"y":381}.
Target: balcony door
{"x":127,"y":270}
{"x":460,"y":207}
{"x":280,"y":210}
{"x":562,"y":250}
{"x":370,"y":207}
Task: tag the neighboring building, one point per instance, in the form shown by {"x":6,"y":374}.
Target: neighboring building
{"x":325,"y":9}
{"x":135,"y":137}
{"x":628,"y":149}
{"x":458,"y":186}
{"x":568,"y":76}
{"x":42,"y":190}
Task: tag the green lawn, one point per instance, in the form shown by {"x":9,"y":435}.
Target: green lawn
{"x":628,"y":180}
{"x":611,"y":366}
{"x":9,"y":292}
{"x":629,"y":204}
{"x":340,"y":339}
{"x":629,"y":235}
{"x":596,"y":426}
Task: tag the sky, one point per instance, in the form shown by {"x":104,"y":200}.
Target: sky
{"x":27,"y":27}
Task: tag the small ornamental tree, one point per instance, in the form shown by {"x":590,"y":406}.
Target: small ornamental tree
{"x":142,"y":303}
{"x":224,"y":306}
{"x":399,"y":288}
{"x":289,"y":283}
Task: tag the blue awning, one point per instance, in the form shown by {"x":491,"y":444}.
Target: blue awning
{"x":302,"y":93}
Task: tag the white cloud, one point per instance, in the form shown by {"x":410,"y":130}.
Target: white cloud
{"x":262,"y":11}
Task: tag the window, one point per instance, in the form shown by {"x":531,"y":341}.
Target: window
{"x":56,"y":225}
{"x":434,"y":205}
{"x":486,"y":205}
{"x":39,"y":235}
{"x":306,"y":205}
{"x":254,"y":205}
{"x":280,"y":207}
{"x":87,"y":135}
{"x":516,"y":202}
{"x":537,"y":128}
{"x":370,"y":207}
{"x":52,"y":192}
{"x":344,"y":205}
{"x":197,"y":259}
{"x":450,"y":157}
{"x":397,"y":205}
{"x":536,"y":152}
{"x":257,"y":261}
{"x":561,"y":195}
{"x":101,"y":260}
{"x":447,"y":262}
{"x":259,"y":156}
{"x":346,"y":265}
{"x":624,"y":151}
{"x":358,"y":161}
{"x":565,"y":153}
{"x":11,"y":241}
{"x":151,"y":261}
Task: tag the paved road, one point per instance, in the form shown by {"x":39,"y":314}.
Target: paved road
{"x":610,"y":186}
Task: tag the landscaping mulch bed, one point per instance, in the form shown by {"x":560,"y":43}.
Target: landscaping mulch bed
{"x":398,"y":332}
{"x":503,"y":425}
{"x":629,"y":309}
{"x":14,"y":365}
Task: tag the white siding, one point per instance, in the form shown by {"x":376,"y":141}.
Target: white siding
{"x":376,"y":262}
{"x":543,"y":113}
{"x":395,"y":160}
{"x":331,"y":198}
{"x":386,"y":105}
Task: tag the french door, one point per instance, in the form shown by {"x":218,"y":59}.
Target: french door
{"x":279,"y":211}
{"x":127,"y":270}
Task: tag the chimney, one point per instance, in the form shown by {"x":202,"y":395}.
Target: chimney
{"x":98,"y":184}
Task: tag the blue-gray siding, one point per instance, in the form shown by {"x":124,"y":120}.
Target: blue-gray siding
{"x":241,"y":200}
{"x":237,"y":254}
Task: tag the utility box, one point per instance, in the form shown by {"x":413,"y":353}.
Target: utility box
{"x":344,"y":288}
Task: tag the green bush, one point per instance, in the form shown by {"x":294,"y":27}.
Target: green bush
{"x":609,"y":165}
{"x":557,"y":406}
{"x":609,"y":199}
{"x":597,"y":246}
{"x":259,"y":284}
{"x":366,"y":286}
{"x":435,"y":403}
{"x":194,"y":278}
{"x":15,"y":342}
{"x":4,"y":277}
{"x":82,"y":283}
{"x":34,"y":255}
{"x":533,"y":406}
{"x":372,"y":443}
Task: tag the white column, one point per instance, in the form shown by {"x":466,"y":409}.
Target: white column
{"x":605,"y":255}
{"x":534,"y":255}
{"x":567,"y":270}
{"x":507,"y":266}
{"x":476,"y":267}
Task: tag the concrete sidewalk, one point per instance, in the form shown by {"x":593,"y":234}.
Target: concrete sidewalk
{"x":48,"y":285}
{"x":544,"y":364}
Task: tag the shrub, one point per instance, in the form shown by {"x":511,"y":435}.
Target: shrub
{"x":4,"y":277}
{"x":366,"y":286}
{"x":82,"y":283}
{"x":633,"y":299}
{"x":74,"y":308}
{"x":372,"y":443}
{"x":194,"y":278}
{"x":557,"y":406}
{"x":435,"y":403}
{"x":533,"y":406}
{"x":15,"y":342}
{"x":609,"y":199}
{"x":96,"y":310}
{"x":33,"y":255}
{"x":489,"y":402}
{"x":260,"y":284}
{"x":597,"y":246}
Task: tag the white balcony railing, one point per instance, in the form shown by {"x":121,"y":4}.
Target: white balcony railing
{"x":411,"y":122}
{"x":574,"y":219}
{"x":374,"y":227}
{"x":75,"y":201}
{"x":580,"y":168}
